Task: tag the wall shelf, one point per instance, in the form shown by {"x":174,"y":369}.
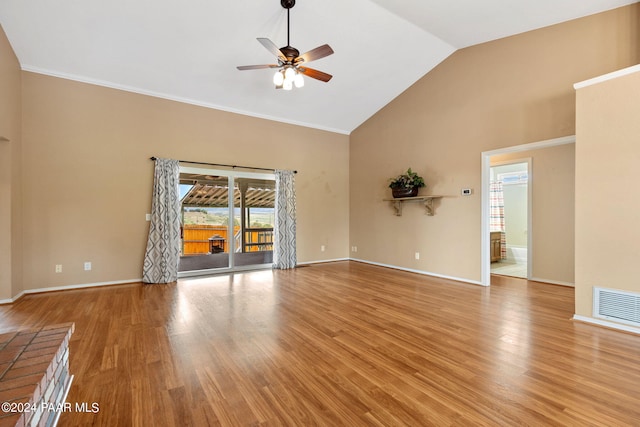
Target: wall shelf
{"x":427,"y":200}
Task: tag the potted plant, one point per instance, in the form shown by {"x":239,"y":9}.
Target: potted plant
{"x":406,"y":185}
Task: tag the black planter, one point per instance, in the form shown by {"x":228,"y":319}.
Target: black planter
{"x":404,"y":192}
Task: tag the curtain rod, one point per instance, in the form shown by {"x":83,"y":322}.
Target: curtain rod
{"x":227,"y":166}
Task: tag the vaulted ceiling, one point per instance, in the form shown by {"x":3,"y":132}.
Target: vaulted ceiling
{"x":188,"y":50}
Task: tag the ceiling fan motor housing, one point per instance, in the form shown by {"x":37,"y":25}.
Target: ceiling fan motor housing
{"x":290,"y":53}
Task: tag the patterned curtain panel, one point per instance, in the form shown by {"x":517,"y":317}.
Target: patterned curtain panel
{"x":496,"y":214}
{"x":284,"y":232}
{"x":163,"y":247}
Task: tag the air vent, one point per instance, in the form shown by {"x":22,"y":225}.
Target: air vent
{"x":619,"y":306}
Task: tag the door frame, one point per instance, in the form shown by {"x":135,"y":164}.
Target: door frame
{"x":231,"y":175}
{"x":485,"y":157}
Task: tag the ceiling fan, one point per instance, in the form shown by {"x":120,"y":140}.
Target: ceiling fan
{"x":291,"y":65}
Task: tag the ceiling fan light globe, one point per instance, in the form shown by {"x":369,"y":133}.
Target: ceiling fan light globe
{"x":287,"y":85}
{"x":289,"y":73}
{"x":298,"y":80}
{"x":278,"y":78}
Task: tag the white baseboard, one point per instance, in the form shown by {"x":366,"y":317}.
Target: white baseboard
{"x":68,"y":288}
{"x":11,"y":300}
{"x":425,"y":273}
{"x":82,"y":286}
{"x":321,"y":261}
{"x":607,"y":324}
{"x":120,"y":282}
{"x":411,"y":270}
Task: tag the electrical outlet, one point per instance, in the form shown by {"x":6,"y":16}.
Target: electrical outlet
{"x":417,"y":255}
{"x":58,"y":268}
{"x":148,"y":217}
{"x":322,"y":248}
{"x":354,"y":249}
{"x":87,"y":266}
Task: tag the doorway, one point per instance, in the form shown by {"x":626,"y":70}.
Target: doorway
{"x":510,"y":218}
{"x":485,"y":259}
{"x":227,"y":221}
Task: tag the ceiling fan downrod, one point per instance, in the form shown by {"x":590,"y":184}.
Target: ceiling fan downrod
{"x":288,"y":4}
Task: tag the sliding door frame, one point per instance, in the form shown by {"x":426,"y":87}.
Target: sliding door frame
{"x":231,"y":175}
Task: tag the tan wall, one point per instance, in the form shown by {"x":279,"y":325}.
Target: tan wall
{"x":552,"y":235}
{"x":607,"y":206}
{"x":508,"y":92}
{"x":10,"y":128}
{"x":88,"y":177}
{"x":85,"y":156}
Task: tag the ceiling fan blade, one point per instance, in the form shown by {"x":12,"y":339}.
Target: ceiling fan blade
{"x":315,"y":74}
{"x":271,"y":47}
{"x":317,"y":53}
{"x":256,"y":67}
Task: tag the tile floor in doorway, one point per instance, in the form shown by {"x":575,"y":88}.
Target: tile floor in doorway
{"x":509,"y":269}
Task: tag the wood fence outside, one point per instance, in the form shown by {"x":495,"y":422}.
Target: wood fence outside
{"x":196,"y":238}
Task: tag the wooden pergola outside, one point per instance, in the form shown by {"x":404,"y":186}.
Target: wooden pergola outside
{"x":210,"y":191}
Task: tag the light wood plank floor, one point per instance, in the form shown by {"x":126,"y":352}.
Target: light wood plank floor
{"x":338,"y":344}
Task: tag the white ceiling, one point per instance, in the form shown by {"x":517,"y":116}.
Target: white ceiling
{"x":188,"y":50}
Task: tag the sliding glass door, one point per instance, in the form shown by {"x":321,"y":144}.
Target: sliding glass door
{"x":227,"y":221}
{"x":254,"y":210}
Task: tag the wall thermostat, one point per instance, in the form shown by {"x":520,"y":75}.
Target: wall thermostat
{"x":467,"y":191}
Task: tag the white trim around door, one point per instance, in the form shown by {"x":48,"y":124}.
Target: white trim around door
{"x":486,"y":176}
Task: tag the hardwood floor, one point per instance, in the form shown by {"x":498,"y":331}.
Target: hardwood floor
{"x":339,"y":344}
